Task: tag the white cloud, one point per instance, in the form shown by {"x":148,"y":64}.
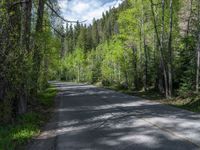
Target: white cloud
{"x":80,"y":7}
{"x":86,"y":9}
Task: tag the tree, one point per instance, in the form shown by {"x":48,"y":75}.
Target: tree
{"x":23,"y":62}
{"x":26,"y":15}
{"x":95,"y":34}
{"x":198,"y":47}
{"x":170,"y":49}
{"x":37,"y":58}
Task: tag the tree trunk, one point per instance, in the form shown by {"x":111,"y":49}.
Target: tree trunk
{"x":37,"y":51}
{"x":198,"y":65}
{"x":62,"y":52}
{"x":125,"y":70}
{"x":135,"y":67}
{"x":145,"y":50}
{"x":160,"y":79}
{"x":40,"y":15}
{"x":26,"y":9}
{"x":188,"y":22}
{"x":146,"y":66}
{"x":164,"y":67}
{"x":198,"y":50}
{"x":161,"y":43}
{"x":79,"y":73}
{"x":170,"y":50}
{"x":25,"y":27}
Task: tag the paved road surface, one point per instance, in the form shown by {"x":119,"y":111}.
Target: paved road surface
{"x":91,"y":118}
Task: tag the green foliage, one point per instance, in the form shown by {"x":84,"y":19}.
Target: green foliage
{"x":125,"y":48}
{"x":116,"y":64}
{"x":108,"y":62}
{"x":28,"y":58}
{"x":192,"y":105}
{"x":74,"y":65}
{"x":46,"y":97}
{"x":26,"y":126}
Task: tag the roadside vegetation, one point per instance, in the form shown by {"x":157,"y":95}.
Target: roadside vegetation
{"x":189,"y":102}
{"x":17,"y":133}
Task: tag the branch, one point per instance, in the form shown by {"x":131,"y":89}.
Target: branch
{"x":19,"y":2}
{"x":62,"y":35}
{"x":56,"y":13}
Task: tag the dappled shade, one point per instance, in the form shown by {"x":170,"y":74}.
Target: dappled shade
{"x":94,"y":118}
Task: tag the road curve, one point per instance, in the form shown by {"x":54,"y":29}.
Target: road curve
{"x":91,"y":118}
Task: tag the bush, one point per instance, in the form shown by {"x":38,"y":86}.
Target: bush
{"x":15,"y":134}
{"x":123,"y":86}
{"x":106,"y":83}
{"x":185,"y":90}
{"x":5,"y":112}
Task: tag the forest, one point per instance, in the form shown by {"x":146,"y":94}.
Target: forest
{"x":142,"y":45}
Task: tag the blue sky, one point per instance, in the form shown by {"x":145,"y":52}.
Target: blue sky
{"x":85,"y":9}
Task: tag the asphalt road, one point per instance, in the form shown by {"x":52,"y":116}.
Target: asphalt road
{"x":91,"y":118}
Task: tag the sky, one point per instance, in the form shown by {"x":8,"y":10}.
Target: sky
{"x":85,"y":9}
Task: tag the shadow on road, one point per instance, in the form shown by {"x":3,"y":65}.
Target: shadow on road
{"x":90,"y":118}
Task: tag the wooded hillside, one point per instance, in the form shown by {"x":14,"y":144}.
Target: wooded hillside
{"x":146,"y":44}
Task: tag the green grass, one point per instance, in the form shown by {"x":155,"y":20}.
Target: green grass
{"x":191,"y":103}
{"x":150,"y":94}
{"x":15,"y":135}
{"x":45,"y":97}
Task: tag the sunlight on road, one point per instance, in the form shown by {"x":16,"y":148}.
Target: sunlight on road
{"x":90,"y":117}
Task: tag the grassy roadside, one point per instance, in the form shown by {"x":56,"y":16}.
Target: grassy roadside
{"x":14,"y":136}
{"x":189,"y":102}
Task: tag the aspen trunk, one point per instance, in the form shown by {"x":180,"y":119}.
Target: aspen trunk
{"x":145,"y":50}
{"x":160,"y":41}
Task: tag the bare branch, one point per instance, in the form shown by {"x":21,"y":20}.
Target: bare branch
{"x":58,"y":32}
{"x":19,"y":2}
{"x":56,"y":13}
